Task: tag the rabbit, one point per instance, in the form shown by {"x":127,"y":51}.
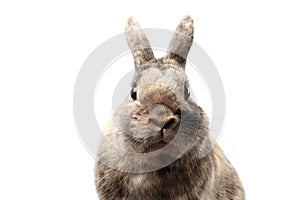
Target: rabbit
{"x":158,"y":109}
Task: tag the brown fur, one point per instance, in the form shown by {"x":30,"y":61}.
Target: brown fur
{"x":202,"y":172}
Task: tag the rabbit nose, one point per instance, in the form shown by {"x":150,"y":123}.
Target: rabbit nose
{"x":163,"y":124}
{"x":161,"y":116}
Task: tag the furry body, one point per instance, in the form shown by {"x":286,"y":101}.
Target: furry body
{"x":188,"y":178}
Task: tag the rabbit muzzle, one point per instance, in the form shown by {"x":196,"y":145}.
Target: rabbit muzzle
{"x":156,"y":94}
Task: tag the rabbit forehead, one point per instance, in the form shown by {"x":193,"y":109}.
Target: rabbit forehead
{"x":162,"y":75}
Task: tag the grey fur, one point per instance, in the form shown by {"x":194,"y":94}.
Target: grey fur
{"x":181,"y":41}
{"x":138,"y":43}
{"x":202,"y":172}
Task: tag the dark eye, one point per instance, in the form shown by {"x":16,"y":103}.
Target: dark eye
{"x":133,"y":93}
{"x":186,"y":92}
{"x":178,"y":112}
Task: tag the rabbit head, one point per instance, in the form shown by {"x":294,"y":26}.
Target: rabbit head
{"x":159,"y":104}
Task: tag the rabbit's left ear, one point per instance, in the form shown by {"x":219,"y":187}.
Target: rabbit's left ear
{"x":181,"y":41}
{"x":138,"y":43}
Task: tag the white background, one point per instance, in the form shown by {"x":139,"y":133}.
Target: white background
{"x":254,"y":44}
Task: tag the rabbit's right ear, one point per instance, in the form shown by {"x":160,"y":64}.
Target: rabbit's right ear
{"x":181,"y":41}
{"x":138,"y":43}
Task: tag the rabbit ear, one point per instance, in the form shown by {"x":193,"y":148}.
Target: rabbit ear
{"x":181,"y":41}
{"x":138,"y":43}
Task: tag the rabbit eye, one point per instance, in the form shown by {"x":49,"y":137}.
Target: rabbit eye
{"x":133,"y":93}
{"x":186,"y":92}
{"x":178,"y":112}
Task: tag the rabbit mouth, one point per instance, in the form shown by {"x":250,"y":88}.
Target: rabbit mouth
{"x":157,"y":146}
{"x":157,"y":142}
